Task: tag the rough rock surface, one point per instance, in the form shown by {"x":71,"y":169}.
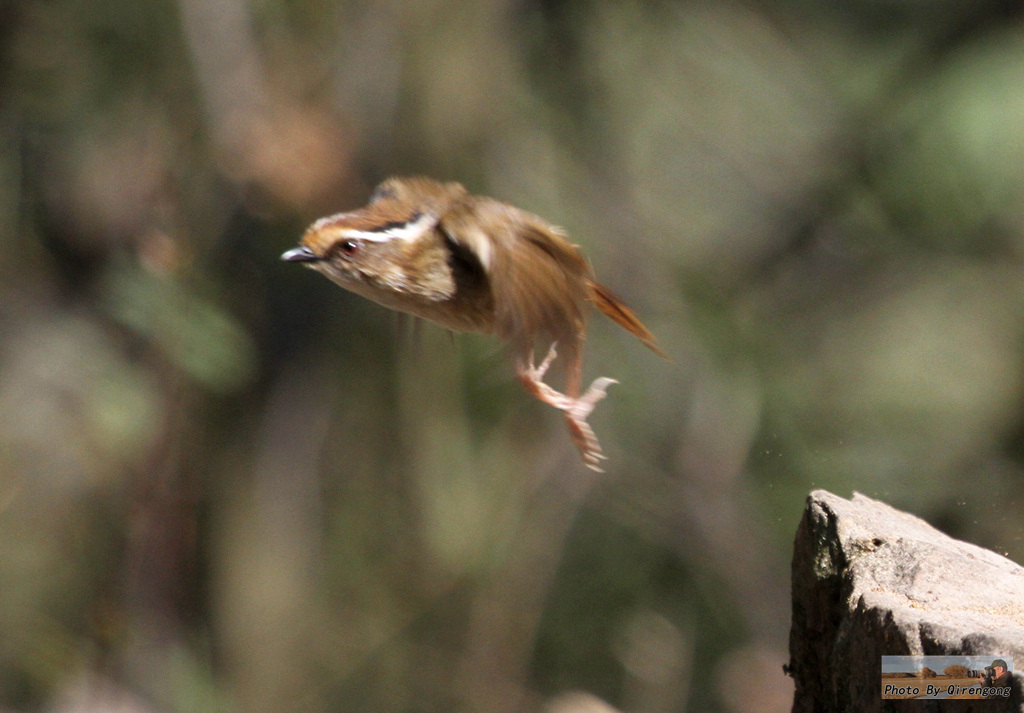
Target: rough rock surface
{"x":869,"y":580}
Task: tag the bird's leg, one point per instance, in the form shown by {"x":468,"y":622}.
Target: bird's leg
{"x":576,"y":408}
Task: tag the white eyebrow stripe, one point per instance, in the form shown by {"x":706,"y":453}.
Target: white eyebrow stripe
{"x":409,"y":232}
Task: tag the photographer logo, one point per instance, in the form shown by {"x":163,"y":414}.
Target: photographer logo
{"x":946,"y":677}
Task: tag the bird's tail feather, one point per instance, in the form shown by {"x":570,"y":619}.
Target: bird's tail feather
{"x":606,"y":301}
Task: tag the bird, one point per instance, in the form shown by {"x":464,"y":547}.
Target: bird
{"x":471,"y":263}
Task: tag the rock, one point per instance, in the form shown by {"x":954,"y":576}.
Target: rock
{"x":869,"y":580}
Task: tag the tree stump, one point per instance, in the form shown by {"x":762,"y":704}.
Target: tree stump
{"x":868,"y":581}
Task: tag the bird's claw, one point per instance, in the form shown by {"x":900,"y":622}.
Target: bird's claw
{"x":575,"y":409}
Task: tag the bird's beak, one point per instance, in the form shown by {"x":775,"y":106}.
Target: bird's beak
{"x":300,"y":254}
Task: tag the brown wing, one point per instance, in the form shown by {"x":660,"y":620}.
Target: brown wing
{"x":540,"y":281}
{"x":538,"y":278}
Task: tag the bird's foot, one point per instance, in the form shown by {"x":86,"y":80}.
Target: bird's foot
{"x":576,"y":409}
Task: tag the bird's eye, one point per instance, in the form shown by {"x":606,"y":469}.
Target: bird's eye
{"x":348,"y":248}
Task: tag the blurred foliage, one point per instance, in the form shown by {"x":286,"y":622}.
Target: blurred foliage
{"x":227,"y":485}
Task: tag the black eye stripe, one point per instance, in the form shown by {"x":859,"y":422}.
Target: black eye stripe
{"x":395,"y":224}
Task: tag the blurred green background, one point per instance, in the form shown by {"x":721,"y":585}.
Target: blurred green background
{"x":228,"y":485}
